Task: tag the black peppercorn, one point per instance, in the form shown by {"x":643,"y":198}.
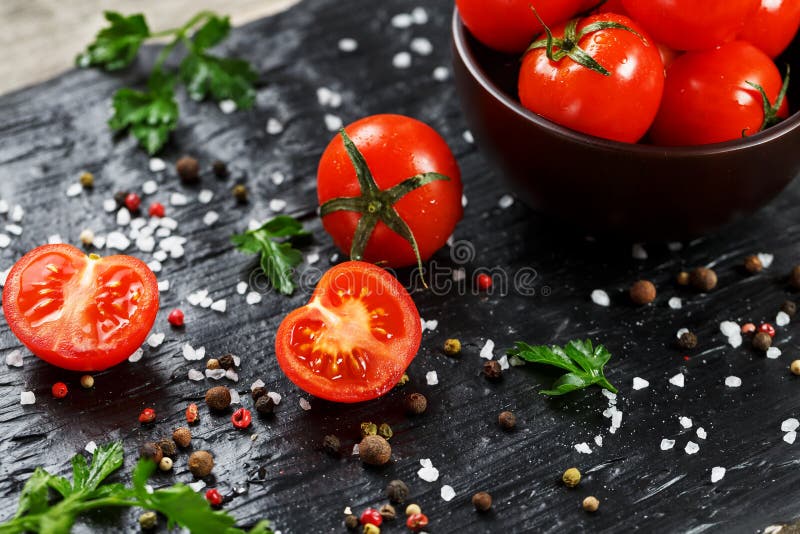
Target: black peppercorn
{"x":188,"y":169}
{"x":687,"y":340}
{"x":258,"y":392}
{"x":388,"y":512}
{"x":397,"y":491}
{"x":331,"y":445}
{"x":226,"y":362}
{"x":168,"y":447}
{"x":752,"y":264}
{"x":220,"y":169}
{"x":507,"y":420}
{"x":265,"y":405}
{"x":492,"y":370}
{"x":151,"y":451}
{"x":794,"y":277}
{"x":703,"y":279}
{"x":240,"y":193}
{"x":415,"y":403}
{"x":351,"y":522}
{"x":762,"y":341}
{"x":789,"y":308}
{"x":119,"y":198}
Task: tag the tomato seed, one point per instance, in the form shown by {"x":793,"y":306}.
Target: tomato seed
{"x":484,"y":281}
{"x":214,"y":497}
{"x":132,"y":202}
{"x":157,"y":209}
{"x":767,"y":329}
{"x":60,"y":390}
{"x":148,"y":415}
{"x":241,"y":418}
{"x":175,"y":317}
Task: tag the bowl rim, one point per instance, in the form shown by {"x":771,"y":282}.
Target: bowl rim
{"x":459,"y":32}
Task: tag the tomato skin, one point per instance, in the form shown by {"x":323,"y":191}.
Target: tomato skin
{"x":615,"y":6}
{"x":510,"y":25}
{"x":706,"y":97}
{"x":395,"y":147}
{"x":62,"y":322}
{"x":620,"y":106}
{"x":691,"y":24}
{"x":336,"y":330}
{"x":773,"y":26}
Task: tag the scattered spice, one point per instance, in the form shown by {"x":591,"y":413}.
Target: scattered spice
{"x":794,"y":277}
{"x":214,"y":497}
{"x":371,"y":516}
{"x":385,"y":431}
{"x":482,"y":501}
{"x":148,"y":415}
{"x":403,"y":380}
{"x":412,"y":509}
{"x":148,"y":520}
{"x":492,"y":370}
{"x":642,"y":292}
{"x":132,"y":202}
{"x":258,"y":392}
{"x":767,"y":329}
{"x":752,"y":264}
{"x":87,"y":180}
{"x":227,"y":361}
{"x":571,"y":477}
{"x":157,"y":209}
{"x":415,"y":404}
{"x":688,"y":340}
{"x":59,"y":390}
{"x":218,"y":398}
{"x":748,"y":328}
{"x":151,"y":451}
{"x":201,"y":463}
{"x":182,"y":436}
{"x":417,"y":522}
{"x":484,"y":282}
{"x":683,"y":278}
{"x":789,"y":308}
{"x":220,"y":169}
{"x":240,"y":193}
{"x":165,"y":464}
{"x":265,"y":405}
{"x":212,"y":364}
{"x":374,"y":450}
{"x":591,"y":504}
{"x":507,"y":420}
{"x":388,"y":512}
{"x":168,"y":447}
{"x":369,"y":429}
{"x":331,"y":445}
{"x":452,"y":347}
{"x":175,"y":317}
{"x":87,"y":381}
{"x":119,"y":198}
{"x":397,"y":491}
{"x":369,"y":528}
{"x":351,"y":521}
{"x":703,"y":279}
{"x":188,"y":169}
{"x":241,"y":418}
{"x":192,"y":414}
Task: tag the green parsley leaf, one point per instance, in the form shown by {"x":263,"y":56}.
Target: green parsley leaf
{"x":150,"y":115}
{"x":278,"y":259}
{"x":583,"y":362}
{"x":33,"y":499}
{"x":115,"y":46}
{"x":105,"y":460}
{"x":222,"y":78}
{"x":211,"y":33}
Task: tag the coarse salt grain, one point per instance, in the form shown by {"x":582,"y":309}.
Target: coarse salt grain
{"x":253,"y":298}
{"x":733,"y":381}
{"x":54,"y":239}
{"x":503,"y":361}
{"x":241,"y":288}
{"x":402,"y":20}
{"x":219,"y":305}
{"x":773,"y":353}
{"x":583,"y":448}
{"x":441,"y":74}
{"x":487,"y":350}
{"x":117,"y":240}
{"x":428,"y":473}
{"x":168,"y":222}
{"x":304,"y":404}
{"x":506,"y":201}
{"x":157,"y":165}
{"x":598,"y":440}
{"x":206,"y":302}
{"x":421,"y":46}
{"x":90,"y":447}
{"x":257,"y":384}
{"x":766,"y":259}
{"x":154,"y":266}
{"x":163,"y":285}
{"x":149,"y":187}
{"x":701,"y":433}
{"x":231,"y":374}
{"x":790,"y":437}
{"x":178,"y":199}
{"x":419,"y":15}
{"x":3,"y":207}
{"x":27,"y":397}
{"x":732,"y":331}
{"x":638,"y":252}
{"x":99,"y":242}
{"x":685,"y":422}
{"x":277,"y":177}
{"x":610,"y":395}
{"x":197,"y":486}
{"x":123,"y":216}
{"x":675,"y":303}
{"x":717,"y":474}
{"x":276,"y":397}
{"x":639,"y":383}
{"x":196,"y":297}
{"x":448,"y":493}
{"x":312,"y":258}
{"x":277,"y":205}
{"x":17,"y":213}
{"x":136,"y":356}
{"x":678,"y":380}
{"x":14,"y":229}
{"x":790,"y":425}
{"x":332,"y":122}
{"x":109,"y":205}
{"x":74,"y":190}
{"x":14,"y":358}
{"x":667,"y":444}
{"x":401,"y":60}
{"x":192,"y":354}
{"x":215,"y":374}
{"x":600,"y":297}
{"x":205,"y":196}
{"x":227,"y":106}
{"x":4,"y":240}
{"x":692,"y":448}
{"x":146,"y":243}
{"x":431,"y":378}
{"x":347,"y":44}
{"x":156,"y":339}
{"x":195,"y":375}
{"x":782,"y":319}
{"x":274,"y":126}
{"x":681,"y":332}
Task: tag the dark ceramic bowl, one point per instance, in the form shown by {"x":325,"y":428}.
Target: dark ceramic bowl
{"x":635,"y":191}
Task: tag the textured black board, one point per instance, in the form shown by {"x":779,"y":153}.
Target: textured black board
{"x":53,"y":131}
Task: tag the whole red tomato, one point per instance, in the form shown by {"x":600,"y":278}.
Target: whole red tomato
{"x":619,"y":104}
{"x":615,"y":6}
{"x":79,"y":312}
{"x":510,"y":25}
{"x":354,"y":339}
{"x":691,"y":24}
{"x":373,"y":217}
{"x":773,"y":26}
{"x":707,"y":97}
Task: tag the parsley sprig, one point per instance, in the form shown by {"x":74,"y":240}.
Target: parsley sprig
{"x":278,"y":257}
{"x":87,"y":491}
{"x":583,"y":362}
{"x":152,"y":114}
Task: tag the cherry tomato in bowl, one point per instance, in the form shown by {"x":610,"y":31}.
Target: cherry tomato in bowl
{"x":79,"y":312}
{"x":354,"y":339}
{"x":773,"y":26}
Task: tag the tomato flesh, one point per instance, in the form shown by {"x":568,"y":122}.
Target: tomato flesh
{"x":78,"y":312}
{"x":354,"y":339}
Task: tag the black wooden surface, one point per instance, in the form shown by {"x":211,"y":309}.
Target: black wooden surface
{"x":52,"y":132}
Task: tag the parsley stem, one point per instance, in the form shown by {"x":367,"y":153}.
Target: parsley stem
{"x":180,"y":35}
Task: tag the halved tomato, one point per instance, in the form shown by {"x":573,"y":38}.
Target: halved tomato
{"x":79,"y":312}
{"x":354,"y":339}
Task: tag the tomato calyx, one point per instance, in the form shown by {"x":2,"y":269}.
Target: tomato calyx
{"x":567,"y":46}
{"x":376,"y":204}
{"x":771,"y":117}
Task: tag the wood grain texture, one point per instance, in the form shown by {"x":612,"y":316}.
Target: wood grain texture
{"x":52,"y":132}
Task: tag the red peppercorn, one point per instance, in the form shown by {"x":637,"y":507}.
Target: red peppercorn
{"x":157,"y":209}
{"x":191,"y":413}
{"x":60,"y":390}
{"x":241,"y":418}
{"x":768,"y":329}
{"x":748,"y":328}
{"x":214,"y":497}
{"x":371,"y":516}
{"x":417,"y":522}
{"x":148,"y":415}
{"x":484,"y":282}
{"x":132,"y":202}
{"x":175,"y":317}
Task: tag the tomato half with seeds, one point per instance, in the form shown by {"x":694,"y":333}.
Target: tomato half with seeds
{"x":354,"y":339}
{"x":79,"y":312}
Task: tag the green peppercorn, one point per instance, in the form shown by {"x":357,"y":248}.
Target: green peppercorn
{"x":87,"y":180}
{"x":403,"y":380}
{"x":148,"y":520}
{"x":452,"y":347}
{"x":368,"y":429}
{"x":220,"y":169}
{"x":571,"y":477}
{"x":240,"y":193}
{"x":331,"y":445}
{"x":351,"y":522}
{"x":385,"y":431}
{"x":397,"y":491}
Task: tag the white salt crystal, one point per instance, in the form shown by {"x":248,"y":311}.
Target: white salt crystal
{"x":773,"y":353}
{"x":136,"y":356}
{"x":428,"y":473}
{"x":14,"y":358}
{"x":157,"y":165}
{"x":401,"y":60}
{"x":277,"y":205}
{"x":681,"y":332}
{"x":257,"y":384}
{"x":123,"y":216}
{"x":197,"y":486}
{"x":675,"y":303}
{"x":27,"y":397}
{"x":4,"y":276}
{"x":156,"y":339}
{"x":667,"y":444}
{"x":598,"y":440}
{"x":692,"y":448}
{"x":163,"y":285}
{"x":638,"y":252}
{"x":717,"y":474}
{"x":227,"y":106}
{"x":347,"y":44}
{"x":190,"y":353}
{"x":448,"y":493}
{"x":159,"y":255}
{"x":583,"y":448}
{"x":790,"y":425}
{"x":117,"y":240}
{"x":685,"y":422}
{"x":277,"y":177}
{"x":468,"y":137}
{"x":205,"y":196}
{"x":733,"y":381}
{"x":138,"y":223}
{"x":220,"y":305}
{"x":312,"y":258}
{"x":154,"y":266}
{"x":701,"y":432}
{"x":639,"y":383}
{"x":677,"y":380}
{"x":419,"y":15}
{"x":729,"y":328}
{"x":600,"y":297}
{"x":304,"y":404}
{"x":168,"y":222}
{"x":3,"y":207}
{"x":206,"y":302}
{"x":675,"y":246}
{"x":90,"y":447}
{"x":196,"y":297}
{"x":178,"y":199}
{"x":4,"y":240}
{"x":276,"y":397}
{"x":54,"y":239}
{"x":441,"y":74}
{"x":109,"y":205}
{"x":506,"y":201}
{"x":766,"y":259}
{"x":215,"y":374}
{"x":463,"y":201}
{"x":14,"y":229}
{"x":616,"y":420}
{"x":782,"y":319}
{"x":235,"y":398}
{"x":332,"y":122}
{"x":487,"y":350}
{"x":402,"y":20}
{"x":149,"y":187}
{"x":146,"y":243}
{"x":790,"y":437}
{"x":431,"y":378}
{"x":163,"y":232}
{"x":611,"y":396}
{"x":253,"y":298}
{"x":17,"y":213}
{"x":241,"y":288}
{"x":195,"y":375}
{"x":274,"y":126}
{"x":503,"y":361}
{"x":99,"y":241}
{"x":421,"y":46}
{"x":74,"y":190}
{"x":431,"y":325}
